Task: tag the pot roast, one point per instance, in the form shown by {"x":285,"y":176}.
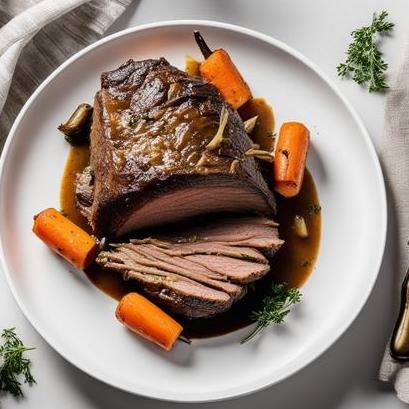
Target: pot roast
{"x":202,"y":270}
{"x":150,"y":161}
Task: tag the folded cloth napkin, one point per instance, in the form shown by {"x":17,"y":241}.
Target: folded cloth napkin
{"x":36,"y":36}
{"x":395,"y":161}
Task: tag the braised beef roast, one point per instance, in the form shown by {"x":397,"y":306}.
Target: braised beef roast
{"x":198,"y":271}
{"x":151,"y":164}
{"x":149,"y":161}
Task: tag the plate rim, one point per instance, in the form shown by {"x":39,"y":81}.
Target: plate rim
{"x":265,"y":382}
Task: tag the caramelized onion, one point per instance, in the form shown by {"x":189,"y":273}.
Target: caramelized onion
{"x":218,"y":138}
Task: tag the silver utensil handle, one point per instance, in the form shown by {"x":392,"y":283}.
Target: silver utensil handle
{"x":399,"y":345}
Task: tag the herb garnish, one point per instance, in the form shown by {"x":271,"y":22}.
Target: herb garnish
{"x":364,"y":60}
{"x":275,"y":308}
{"x":13,"y":363}
{"x":313,"y":208}
{"x":306,"y":263}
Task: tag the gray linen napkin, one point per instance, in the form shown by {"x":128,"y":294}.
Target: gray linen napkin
{"x":36,"y":36}
{"x":395,"y":160}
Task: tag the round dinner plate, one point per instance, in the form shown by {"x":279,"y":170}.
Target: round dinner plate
{"x":77,"y":319}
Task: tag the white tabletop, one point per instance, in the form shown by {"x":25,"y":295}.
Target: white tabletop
{"x":345,"y":376}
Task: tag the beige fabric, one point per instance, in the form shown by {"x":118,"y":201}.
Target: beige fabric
{"x":395,"y":160}
{"x":36,"y":36}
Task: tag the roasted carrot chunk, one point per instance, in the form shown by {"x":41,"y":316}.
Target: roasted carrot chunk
{"x":221,"y":72}
{"x":65,"y":238}
{"x":146,"y":319}
{"x":290,"y":156}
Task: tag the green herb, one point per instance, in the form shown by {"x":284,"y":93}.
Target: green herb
{"x":306,"y":263}
{"x":364,"y":60}
{"x":13,"y":363}
{"x":313,"y":208}
{"x":275,"y":308}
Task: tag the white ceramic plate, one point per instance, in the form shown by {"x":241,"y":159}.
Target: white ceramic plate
{"x":78,"y":320}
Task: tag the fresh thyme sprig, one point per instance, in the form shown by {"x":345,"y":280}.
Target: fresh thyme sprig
{"x":364,"y":60}
{"x":275,"y":308}
{"x":13,"y":363}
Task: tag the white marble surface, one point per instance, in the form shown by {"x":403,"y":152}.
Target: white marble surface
{"x":345,"y":376}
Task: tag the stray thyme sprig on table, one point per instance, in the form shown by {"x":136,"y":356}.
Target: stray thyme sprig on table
{"x":364,"y":60}
{"x":13,"y":363}
{"x":275,"y":308}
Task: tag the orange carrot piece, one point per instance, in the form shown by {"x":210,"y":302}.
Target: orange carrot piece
{"x":65,"y":238}
{"x":219,"y":70}
{"x":146,"y":319}
{"x":290,"y":156}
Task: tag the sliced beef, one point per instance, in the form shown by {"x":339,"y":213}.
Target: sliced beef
{"x":151,"y":125}
{"x":197,"y":271}
{"x":237,"y":271}
{"x":180,"y":294}
{"x":148,"y":257}
{"x":185,"y":249}
{"x":152,"y":252}
{"x":253,"y":232}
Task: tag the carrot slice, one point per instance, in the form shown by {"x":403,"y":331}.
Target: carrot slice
{"x":65,"y":238}
{"x":290,"y":156}
{"x":219,"y":70}
{"x":146,"y":319}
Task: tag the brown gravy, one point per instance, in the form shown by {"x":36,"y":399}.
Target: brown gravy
{"x":292,"y":264}
{"x":78,"y":159}
{"x":263,"y":132}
